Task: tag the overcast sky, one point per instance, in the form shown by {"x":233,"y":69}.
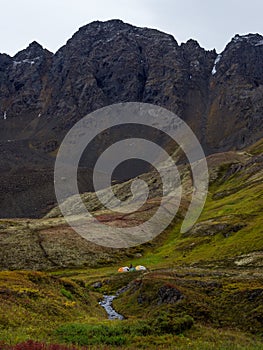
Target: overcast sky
{"x":52,"y":22}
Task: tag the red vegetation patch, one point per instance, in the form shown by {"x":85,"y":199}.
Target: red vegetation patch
{"x":31,"y":345}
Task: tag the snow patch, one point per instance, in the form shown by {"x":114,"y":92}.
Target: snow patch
{"x":112,"y":38}
{"x":238,"y":38}
{"x":215,"y":63}
{"x":5,"y":115}
{"x":259,"y":43}
{"x":195,"y":64}
{"x":30,"y":61}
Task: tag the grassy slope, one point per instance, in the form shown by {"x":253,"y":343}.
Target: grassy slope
{"x":230,"y":224}
{"x":217,"y":292}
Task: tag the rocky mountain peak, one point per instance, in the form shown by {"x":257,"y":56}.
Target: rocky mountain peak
{"x":33,"y":51}
{"x":113,"y":24}
{"x":115,"y":31}
{"x":191,"y":44}
{"x":242,"y":59}
{"x":99,"y":30}
{"x":5,"y":61}
{"x":251,"y":39}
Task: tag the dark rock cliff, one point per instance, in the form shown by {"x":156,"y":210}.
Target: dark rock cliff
{"x":42,"y":95}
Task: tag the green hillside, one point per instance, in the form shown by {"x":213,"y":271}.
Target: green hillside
{"x":203,"y":289}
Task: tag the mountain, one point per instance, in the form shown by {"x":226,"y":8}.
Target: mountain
{"x":202,"y":288}
{"x":42,"y":95}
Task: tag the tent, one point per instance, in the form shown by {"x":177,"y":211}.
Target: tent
{"x":124,"y":269}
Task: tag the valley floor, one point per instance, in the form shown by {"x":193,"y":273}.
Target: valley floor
{"x":203,"y":289}
{"x":171,"y":308}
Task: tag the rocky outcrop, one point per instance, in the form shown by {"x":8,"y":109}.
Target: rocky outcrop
{"x":35,"y":245}
{"x":236,"y":90}
{"x":42,"y":95}
{"x":168,"y":294}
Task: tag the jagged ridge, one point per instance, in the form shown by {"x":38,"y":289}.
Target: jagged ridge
{"x":42,"y":95}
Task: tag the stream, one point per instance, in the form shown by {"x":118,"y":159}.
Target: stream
{"x":106,"y":303}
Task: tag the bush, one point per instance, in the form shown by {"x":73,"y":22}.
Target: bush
{"x":122,"y":333}
{"x":141,"y":328}
{"x":82,"y":334}
{"x":167,"y":323}
{"x":66,"y":293}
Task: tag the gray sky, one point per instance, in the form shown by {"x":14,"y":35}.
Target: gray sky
{"x":53,"y":22}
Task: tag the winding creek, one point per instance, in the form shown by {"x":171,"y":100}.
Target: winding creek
{"x":106,"y":303}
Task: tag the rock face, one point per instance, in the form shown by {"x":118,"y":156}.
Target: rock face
{"x":42,"y":95}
